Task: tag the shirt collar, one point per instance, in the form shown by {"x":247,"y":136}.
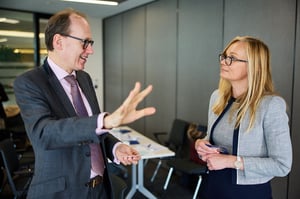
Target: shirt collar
{"x":58,"y":71}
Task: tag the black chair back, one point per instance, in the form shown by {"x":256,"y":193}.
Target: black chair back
{"x":178,"y":136}
{"x":18,"y":178}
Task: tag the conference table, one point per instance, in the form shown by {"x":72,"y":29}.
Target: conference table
{"x":148,"y":149}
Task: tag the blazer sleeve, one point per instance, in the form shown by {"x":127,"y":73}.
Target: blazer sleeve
{"x":278,"y":158}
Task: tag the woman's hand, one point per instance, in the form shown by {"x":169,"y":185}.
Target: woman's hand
{"x":203,"y":149}
{"x":220,"y":161}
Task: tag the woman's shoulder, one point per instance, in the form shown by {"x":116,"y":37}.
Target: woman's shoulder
{"x":215,"y":94}
{"x":275,"y":102}
{"x":273,"y":99}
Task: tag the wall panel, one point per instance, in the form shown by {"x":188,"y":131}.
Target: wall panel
{"x":274,"y":22}
{"x":134,"y":54}
{"x":294,"y":178}
{"x":161,"y":63}
{"x":113,"y":65}
{"x":199,"y":43}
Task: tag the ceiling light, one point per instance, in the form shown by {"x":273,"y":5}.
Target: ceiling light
{"x":10,"y":21}
{"x":10,"y":33}
{"x":2,"y":40}
{"x":112,"y":3}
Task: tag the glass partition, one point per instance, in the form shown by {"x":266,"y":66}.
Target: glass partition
{"x":18,"y":47}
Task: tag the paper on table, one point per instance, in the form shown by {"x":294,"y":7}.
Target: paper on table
{"x":124,"y":135}
{"x":154,"y":147}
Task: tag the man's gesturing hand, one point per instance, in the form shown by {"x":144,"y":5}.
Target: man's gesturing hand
{"x":127,"y":112}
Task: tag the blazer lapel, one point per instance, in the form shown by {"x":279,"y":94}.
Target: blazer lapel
{"x":60,"y":94}
{"x":88,"y":90}
{"x":85,"y":84}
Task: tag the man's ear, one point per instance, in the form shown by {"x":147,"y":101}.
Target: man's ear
{"x":57,"y":42}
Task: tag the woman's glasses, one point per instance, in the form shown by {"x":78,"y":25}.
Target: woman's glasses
{"x":85,"y":42}
{"x":229,"y":59}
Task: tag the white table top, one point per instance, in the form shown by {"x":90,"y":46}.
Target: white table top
{"x":145,"y":146}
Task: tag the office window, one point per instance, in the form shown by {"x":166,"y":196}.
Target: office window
{"x":19,"y":46}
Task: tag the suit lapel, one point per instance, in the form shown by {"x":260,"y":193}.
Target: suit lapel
{"x":85,"y":84}
{"x":59,"y":92}
{"x":88,"y":90}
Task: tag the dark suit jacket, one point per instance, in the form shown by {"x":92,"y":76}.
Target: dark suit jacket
{"x":59,"y":138}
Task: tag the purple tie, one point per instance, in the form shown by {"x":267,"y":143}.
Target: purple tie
{"x":96,"y":154}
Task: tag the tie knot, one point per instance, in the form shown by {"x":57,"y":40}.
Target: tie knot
{"x":71,"y":79}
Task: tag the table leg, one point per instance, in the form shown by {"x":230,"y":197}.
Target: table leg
{"x":141,"y":187}
{"x":133,"y":183}
{"x":140,"y":184}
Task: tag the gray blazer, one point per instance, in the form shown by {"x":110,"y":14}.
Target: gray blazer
{"x":266,"y":149}
{"x":59,"y":138}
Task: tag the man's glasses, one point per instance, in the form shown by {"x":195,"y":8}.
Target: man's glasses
{"x":85,"y":42}
{"x":229,"y":59}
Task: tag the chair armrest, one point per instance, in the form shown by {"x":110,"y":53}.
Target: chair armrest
{"x":24,"y":172}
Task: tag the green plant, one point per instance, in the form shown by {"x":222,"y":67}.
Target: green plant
{"x":7,"y":54}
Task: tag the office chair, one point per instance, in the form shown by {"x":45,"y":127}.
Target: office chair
{"x":25,"y":155}
{"x":14,"y":128}
{"x":14,"y":125}
{"x":188,"y":165}
{"x":118,"y":186}
{"x":176,"y":141}
{"x":18,"y":177}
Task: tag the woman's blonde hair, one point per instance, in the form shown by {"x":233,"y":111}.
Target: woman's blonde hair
{"x":259,"y":80}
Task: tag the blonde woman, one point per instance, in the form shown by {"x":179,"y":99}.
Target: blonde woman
{"x":248,"y":139}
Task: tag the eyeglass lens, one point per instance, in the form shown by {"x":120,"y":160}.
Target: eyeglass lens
{"x":228,"y":60}
{"x":87,"y":42}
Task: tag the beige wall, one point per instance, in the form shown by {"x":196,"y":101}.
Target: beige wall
{"x":94,"y":65}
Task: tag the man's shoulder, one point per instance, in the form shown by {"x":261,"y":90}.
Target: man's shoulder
{"x":34,"y":73}
{"x":30,"y":77}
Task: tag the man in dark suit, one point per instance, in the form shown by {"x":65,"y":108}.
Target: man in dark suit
{"x":60,"y":136}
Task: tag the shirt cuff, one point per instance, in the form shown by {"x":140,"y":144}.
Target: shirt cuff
{"x":114,"y":153}
{"x":100,"y":123}
{"x":100,"y":130}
